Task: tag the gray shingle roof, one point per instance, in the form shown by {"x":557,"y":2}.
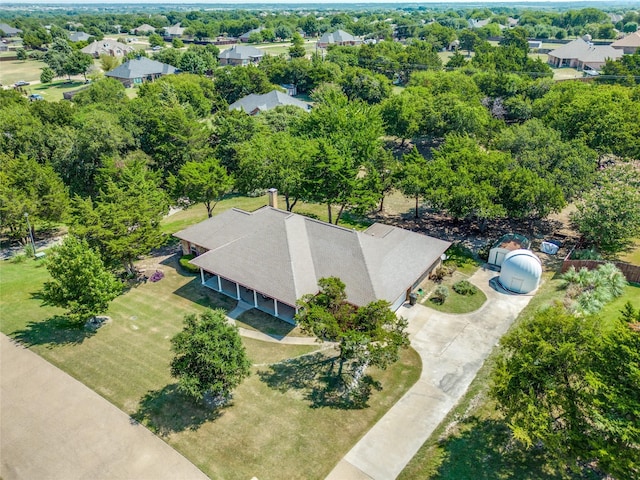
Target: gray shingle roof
{"x":9,"y":30}
{"x":174,"y":30}
{"x":339,"y":36}
{"x":241,"y":52}
{"x":107,"y":47}
{"x":283,"y":255}
{"x":267,"y":101}
{"x":141,"y":67}
{"x":79,"y":36}
{"x":585,"y":52}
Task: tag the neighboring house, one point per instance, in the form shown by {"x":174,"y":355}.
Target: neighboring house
{"x":143,"y":29}
{"x":339,"y":37}
{"x":8,"y":30}
{"x":79,"y":36}
{"x":174,"y":31}
{"x":629,"y":44}
{"x":254,"y":104}
{"x":270,"y":258}
{"x":140,"y":70}
{"x":244,"y":38}
{"x":240,"y":55}
{"x":107,"y":47}
{"x":582,"y":55}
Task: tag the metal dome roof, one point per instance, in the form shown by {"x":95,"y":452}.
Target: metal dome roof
{"x":521,"y":271}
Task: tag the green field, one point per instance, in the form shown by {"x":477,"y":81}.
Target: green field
{"x":282,"y":421}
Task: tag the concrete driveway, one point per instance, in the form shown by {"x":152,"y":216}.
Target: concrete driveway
{"x":452,"y":348}
{"x":53,"y":427}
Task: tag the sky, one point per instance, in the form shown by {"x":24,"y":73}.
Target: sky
{"x":290,"y":2}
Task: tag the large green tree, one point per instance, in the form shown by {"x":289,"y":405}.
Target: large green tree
{"x":123,"y":221}
{"x":608,"y":216}
{"x":27,"y":187}
{"x":201,"y":182}
{"x":80,"y":282}
{"x":209,"y":356}
{"x":368,"y":335}
{"x":570,"y":385}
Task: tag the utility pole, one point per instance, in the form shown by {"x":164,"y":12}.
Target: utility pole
{"x":33,"y":243}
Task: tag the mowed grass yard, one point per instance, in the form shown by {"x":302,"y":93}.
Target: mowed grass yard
{"x":278,"y":425}
{"x":474,"y":442}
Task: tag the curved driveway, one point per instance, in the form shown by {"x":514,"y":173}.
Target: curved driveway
{"x":452,"y":348}
{"x":54,"y":427}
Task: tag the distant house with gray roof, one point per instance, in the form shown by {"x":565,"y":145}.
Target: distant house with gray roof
{"x":240,"y":55}
{"x":629,"y":44}
{"x":143,"y":29}
{"x":140,"y":70}
{"x":339,"y":37}
{"x":174,"y":31}
{"x":7,"y":30}
{"x":244,"y":38}
{"x":79,"y":36}
{"x":107,"y":47}
{"x":582,"y":55}
{"x":269,"y":258}
{"x":254,"y":103}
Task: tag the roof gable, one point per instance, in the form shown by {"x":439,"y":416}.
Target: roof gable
{"x":241,"y":52}
{"x":631,"y":40}
{"x":339,"y":36}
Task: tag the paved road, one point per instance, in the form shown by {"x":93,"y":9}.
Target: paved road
{"x":53,"y":427}
{"x":452,"y":348}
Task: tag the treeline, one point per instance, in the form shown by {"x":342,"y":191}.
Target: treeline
{"x":437,"y":26}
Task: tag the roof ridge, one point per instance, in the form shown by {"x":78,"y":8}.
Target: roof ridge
{"x":360,"y":236}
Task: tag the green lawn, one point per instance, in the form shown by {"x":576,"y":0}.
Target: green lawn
{"x":281,"y":423}
{"x":16,"y":70}
{"x":632,"y":255}
{"x":455,"y":303}
{"x":255,"y":319}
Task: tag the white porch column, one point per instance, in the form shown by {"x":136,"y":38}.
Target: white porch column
{"x":202,"y":276}
{"x":275,"y":306}
{"x":255,"y":299}
{"x":219,"y":284}
{"x":237,"y":291}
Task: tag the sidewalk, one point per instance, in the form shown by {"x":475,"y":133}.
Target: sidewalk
{"x":54,"y":427}
{"x":452,"y":348}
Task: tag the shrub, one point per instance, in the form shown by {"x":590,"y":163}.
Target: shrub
{"x":442,"y":271}
{"x":184,"y":262}
{"x":464,"y":287}
{"x":590,"y":290}
{"x":440,"y":294}
{"x":19,"y":258}
{"x":156,"y":276}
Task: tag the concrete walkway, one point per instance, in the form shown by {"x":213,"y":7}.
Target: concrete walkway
{"x":452,"y":348}
{"x":53,"y":427}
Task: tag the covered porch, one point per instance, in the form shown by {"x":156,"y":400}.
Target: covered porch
{"x":262,"y":302}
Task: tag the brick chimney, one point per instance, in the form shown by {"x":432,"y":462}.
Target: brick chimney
{"x":273,"y":197}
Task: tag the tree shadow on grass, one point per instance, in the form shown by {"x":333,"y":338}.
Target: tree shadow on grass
{"x":484,"y":449}
{"x":204,"y":296}
{"x":168,"y":410}
{"x":56,"y":330}
{"x":315,"y":377}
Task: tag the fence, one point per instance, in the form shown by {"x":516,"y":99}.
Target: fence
{"x":630,"y":271}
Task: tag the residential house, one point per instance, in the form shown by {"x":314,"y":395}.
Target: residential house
{"x":144,"y":29}
{"x":8,"y":31}
{"x":339,"y":37}
{"x":269,"y":258}
{"x":140,"y":70}
{"x":79,"y":36}
{"x":629,"y":44}
{"x":582,"y":55}
{"x":244,"y":38}
{"x":107,"y":47}
{"x":240,"y":55}
{"x":254,"y":103}
{"x":174,"y":31}
{"x":473,"y":23}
